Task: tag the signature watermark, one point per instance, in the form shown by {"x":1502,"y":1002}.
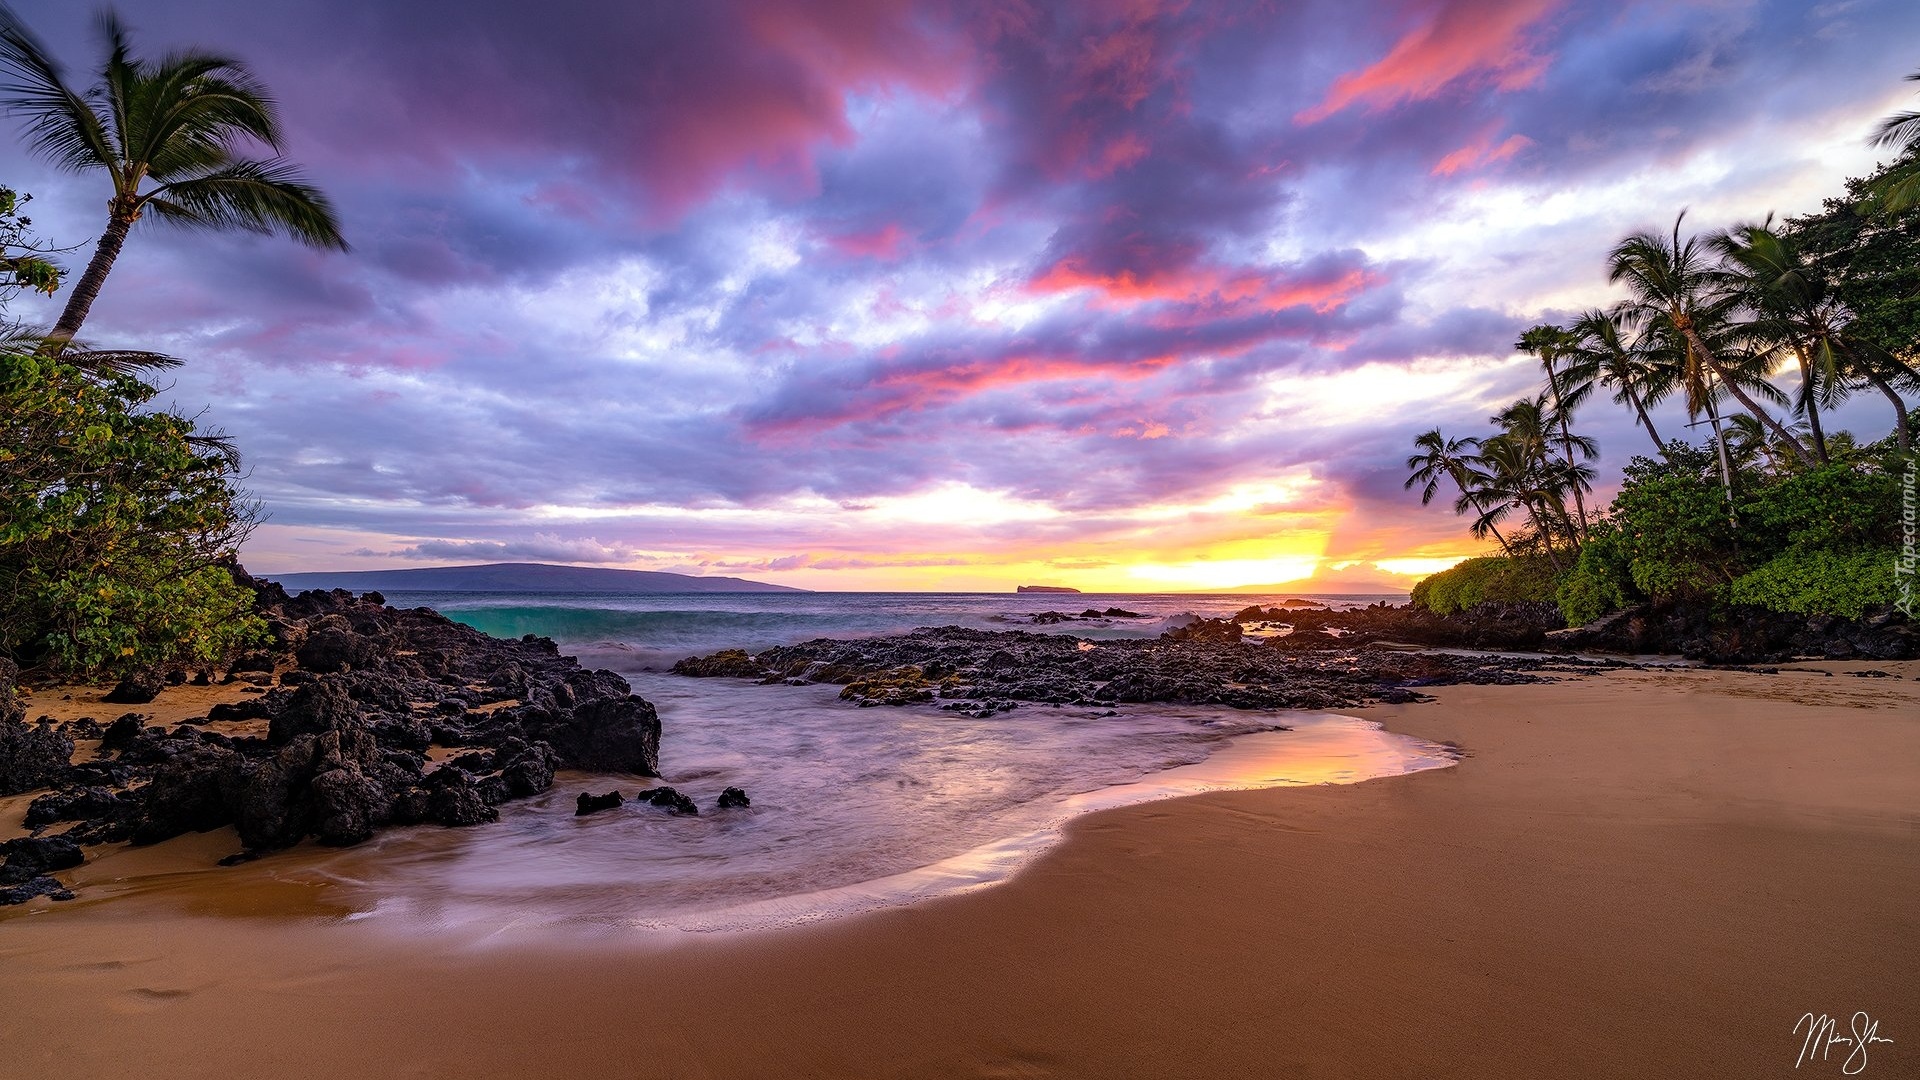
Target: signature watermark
{"x":1907,"y":564}
{"x":1824,"y":1038}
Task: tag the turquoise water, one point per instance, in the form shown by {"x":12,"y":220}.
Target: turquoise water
{"x":652,"y":631}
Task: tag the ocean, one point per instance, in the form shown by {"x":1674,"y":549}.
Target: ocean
{"x":653,"y":631}
{"x":852,"y":808}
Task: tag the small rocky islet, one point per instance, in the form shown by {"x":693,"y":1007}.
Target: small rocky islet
{"x":1207,"y":662}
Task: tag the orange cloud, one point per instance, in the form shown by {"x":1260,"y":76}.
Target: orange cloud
{"x":1465,"y":38}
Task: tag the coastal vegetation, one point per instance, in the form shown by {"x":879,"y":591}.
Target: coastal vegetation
{"x":1758,"y":331}
{"x":117,"y":526}
{"x":119,"y":521}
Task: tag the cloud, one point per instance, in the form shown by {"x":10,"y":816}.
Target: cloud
{"x":541,"y":547}
{"x":1483,"y":41}
{"x":894,"y":291}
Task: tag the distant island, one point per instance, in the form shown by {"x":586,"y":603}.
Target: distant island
{"x":522,"y":577}
{"x":1045,"y":588}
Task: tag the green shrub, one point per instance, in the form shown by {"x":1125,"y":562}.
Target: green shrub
{"x":1601,"y":581}
{"x":1819,"y":583}
{"x":1494,"y":578}
{"x":1675,"y":534}
{"x":1833,"y":507}
{"x":116,"y":527}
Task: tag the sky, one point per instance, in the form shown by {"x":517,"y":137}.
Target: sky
{"x":1135,"y":295}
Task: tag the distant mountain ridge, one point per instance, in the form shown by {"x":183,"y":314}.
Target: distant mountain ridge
{"x":521,"y":577}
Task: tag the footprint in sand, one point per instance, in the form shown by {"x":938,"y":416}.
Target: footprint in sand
{"x":145,"y":999}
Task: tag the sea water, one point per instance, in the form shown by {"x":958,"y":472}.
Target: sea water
{"x":852,"y":808}
{"x":653,"y":631}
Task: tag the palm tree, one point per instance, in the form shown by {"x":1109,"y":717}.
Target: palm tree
{"x":168,"y":134}
{"x":1513,"y":477}
{"x":1899,"y":191}
{"x":1793,"y":309}
{"x":1749,"y":443}
{"x":1604,"y":354}
{"x":1455,"y":460}
{"x":1526,"y":426}
{"x":1672,"y":283}
{"x":1553,"y":344}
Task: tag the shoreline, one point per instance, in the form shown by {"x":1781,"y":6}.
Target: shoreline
{"x":1620,"y":877}
{"x":384,"y":883}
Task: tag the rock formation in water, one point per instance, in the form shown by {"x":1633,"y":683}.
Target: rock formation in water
{"x":1207,"y":662}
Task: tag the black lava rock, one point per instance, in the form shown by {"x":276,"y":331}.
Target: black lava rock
{"x":734,"y":797}
{"x":31,"y":755}
{"x":137,"y":688}
{"x":668,"y":799}
{"x":40,"y":886}
{"x":593,"y":804}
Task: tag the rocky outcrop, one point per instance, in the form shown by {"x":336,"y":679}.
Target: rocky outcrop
{"x":985,"y":671}
{"x":727,"y":663}
{"x":137,"y":688}
{"x":29,"y":861}
{"x":1746,"y":635}
{"x":1518,"y":626}
{"x":1696,"y":630}
{"x":31,"y":755}
{"x":365,"y":692}
{"x":734,"y":798}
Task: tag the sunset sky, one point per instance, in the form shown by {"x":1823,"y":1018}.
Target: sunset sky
{"x":866,"y":294}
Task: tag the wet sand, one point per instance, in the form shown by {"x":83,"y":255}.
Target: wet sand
{"x":1641,"y":873}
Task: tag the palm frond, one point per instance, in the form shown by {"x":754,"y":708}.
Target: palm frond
{"x":118,"y":361}
{"x":197,"y":104}
{"x":60,"y":124}
{"x":258,"y":196}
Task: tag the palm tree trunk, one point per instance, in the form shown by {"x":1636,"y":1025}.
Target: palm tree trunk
{"x":1812,"y":403}
{"x":1899,"y":413}
{"x":1542,"y":525}
{"x":1566,"y":444}
{"x":1634,"y":396}
{"x":1713,"y":361}
{"x":1720,"y":444}
{"x":1491,"y":527}
{"x":87,"y":289}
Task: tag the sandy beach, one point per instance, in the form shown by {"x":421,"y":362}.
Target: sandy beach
{"x":1639,"y":873}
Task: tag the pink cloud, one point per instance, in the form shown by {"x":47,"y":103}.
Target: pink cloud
{"x":1463,"y":39}
{"x":1480,"y":152}
{"x":1214,"y":289}
{"x":887,"y":242}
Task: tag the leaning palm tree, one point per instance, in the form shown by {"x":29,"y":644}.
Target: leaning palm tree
{"x":1453,"y":459}
{"x":1605,"y":354}
{"x":1672,"y":285}
{"x":1867,"y":364}
{"x":168,"y":134}
{"x":1794,"y":310}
